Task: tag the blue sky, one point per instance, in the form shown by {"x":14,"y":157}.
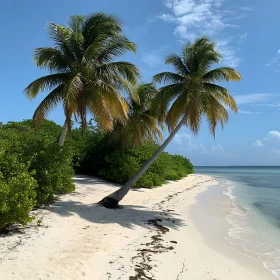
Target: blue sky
{"x":246,"y":32}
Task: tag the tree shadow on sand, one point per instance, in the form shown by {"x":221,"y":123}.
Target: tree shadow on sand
{"x":89,"y":180}
{"x":128,"y":216}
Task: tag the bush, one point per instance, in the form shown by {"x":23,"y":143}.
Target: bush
{"x":17,"y":189}
{"x":48,"y":164}
{"x":54,"y":173}
{"x":123,"y":164}
{"x":90,"y":151}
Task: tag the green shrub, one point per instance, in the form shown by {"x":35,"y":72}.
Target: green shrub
{"x":90,"y":152}
{"x":47,"y":163}
{"x":123,"y":164}
{"x":17,"y":189}
{"x":54,"y":173}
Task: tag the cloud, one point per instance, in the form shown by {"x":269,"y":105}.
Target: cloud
{"x":273,"y":134}
{"x":247,"y":8}
{"x":229,"y":54}
{"x":184,"y":141}
{"x":258,"y":144}
{"x":245,"y":112}
{"x":272,"y":140}
{"x":243,"y":37}
{"x":152,"y":59}
{"x":275,"y":62}
{"x":196,"y":18}
{"x":276,"y":151}
{"x":193,"y":17}
{"x":253,"y":98}
{"x":155,"y":57}
{"x":180,"y":139}
{"x":217,"y":148}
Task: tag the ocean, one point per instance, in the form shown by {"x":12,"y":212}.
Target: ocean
{"x":254,"y":217}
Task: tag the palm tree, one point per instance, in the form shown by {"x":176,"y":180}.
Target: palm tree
{"x":142,"y":124}
{"x":84,"y":74}
{"x":190,"y":94}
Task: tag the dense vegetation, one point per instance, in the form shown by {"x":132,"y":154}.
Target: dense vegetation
{"x":87,"y":78}
{"x":34,"y":169}
{"x":98,"y":156}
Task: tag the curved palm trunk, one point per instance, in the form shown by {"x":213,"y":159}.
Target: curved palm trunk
{"x":63,"y":133}
{"x":113,"y":199}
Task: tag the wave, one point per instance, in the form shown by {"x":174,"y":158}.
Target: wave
{"x":244,"y":234}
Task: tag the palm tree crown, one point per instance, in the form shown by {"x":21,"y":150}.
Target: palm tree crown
{"x":191,"y":91}
{"x":84,"y":73}
{"x":142,"y":124}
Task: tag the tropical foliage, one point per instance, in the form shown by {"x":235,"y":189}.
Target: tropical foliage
{"x":192,"y":90}
{"x":123,"y":164}
{"x":84,"y":74}
{"x":191,"y":93}
{"x":142,"y":124}
{"x":33,"y":169}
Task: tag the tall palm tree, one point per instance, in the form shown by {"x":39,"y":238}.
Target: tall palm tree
{"x":191,"y":93}
{"x":84,"y":74}
{"x":142,"y":124}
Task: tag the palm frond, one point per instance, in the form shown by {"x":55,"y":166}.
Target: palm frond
{"x":45,"y":83}
{"x":177,"y":63}
{"x":49,"y":102}
{"x":124,"y":69}
{"x":222,"y":74}
{"x":221,"y":94}
{"x":52,"y":59}
{"x":99,"y":27}
{"x":73,"y":89}
{"x":167,"y":77}
{"x":117,"y":46}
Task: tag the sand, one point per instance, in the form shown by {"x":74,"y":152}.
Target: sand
{"x":154,"y":236}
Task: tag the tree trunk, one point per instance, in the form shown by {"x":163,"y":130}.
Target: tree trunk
{"x":63,"y":134}
{"x":113,"y":199}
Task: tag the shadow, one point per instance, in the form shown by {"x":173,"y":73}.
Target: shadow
{"x":128,"y":216}
{"x":89,"y":180}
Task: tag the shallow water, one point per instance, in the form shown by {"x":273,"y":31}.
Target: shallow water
{"x":254,"y":216}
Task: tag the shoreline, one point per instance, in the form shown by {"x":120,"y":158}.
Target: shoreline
{"x":153,"y":236}
{"x":214,"y":206}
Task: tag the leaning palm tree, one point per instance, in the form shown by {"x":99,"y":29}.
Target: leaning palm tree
{"x":190,"y":94}
{"x":84,"y":74}
{"x":142,"y":124}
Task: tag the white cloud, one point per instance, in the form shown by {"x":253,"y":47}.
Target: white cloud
{"x":243,"y":37}
{"x":217,"y":148}
{"x":272,"y":140}
{"x":276,"y":151}
{"x":253,"y":98}
{"x":180,"y":7}
{"x":229,"y":54}
{"x":196,"y":18}
{"x":181,"y":139}
{"x":152,"y":59}
{"x":247,"y":8}
{"x":155,"y":57}
{"x":245,"y":112}
{"x":275,"y":62}
{"x":258,"y":144}
{"x":184,"y":141}
{"x":273,"y":133}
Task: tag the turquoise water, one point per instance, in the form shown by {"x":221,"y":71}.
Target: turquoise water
{"x":255,"y":214}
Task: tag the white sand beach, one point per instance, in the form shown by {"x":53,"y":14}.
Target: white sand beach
{"x":154,"y":236}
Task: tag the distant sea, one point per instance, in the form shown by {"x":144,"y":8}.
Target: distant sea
{"x":255,"y":214}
